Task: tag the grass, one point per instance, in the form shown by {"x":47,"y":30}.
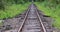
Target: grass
{"x":53,"y":12}
{"x":13,"y":10}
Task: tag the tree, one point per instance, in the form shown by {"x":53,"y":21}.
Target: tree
{"x":2,"y":4}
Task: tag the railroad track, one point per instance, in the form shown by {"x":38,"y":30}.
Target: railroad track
{"x":33,"y":22}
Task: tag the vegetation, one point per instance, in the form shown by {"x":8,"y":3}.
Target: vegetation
{"x":11,"y":8}
{"x":51,"y":8}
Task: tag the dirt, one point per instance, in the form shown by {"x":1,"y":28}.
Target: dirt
{"x":50,"y":21}
{"x":12,"y":23}
{"x":56,"y":30}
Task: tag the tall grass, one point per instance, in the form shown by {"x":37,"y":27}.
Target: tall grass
{"x":13,"y":10}
{"x":54,"y":12}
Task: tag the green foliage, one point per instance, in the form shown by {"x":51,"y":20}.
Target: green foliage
{"x":13,"y":10}
{"x":54,"y":12}
{"x":51,"y":8}
{"x":4,"y":3}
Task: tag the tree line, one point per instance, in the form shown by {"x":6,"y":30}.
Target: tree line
{"x":3,"y":3}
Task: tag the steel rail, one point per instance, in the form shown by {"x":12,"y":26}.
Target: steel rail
{"x":41,"y":21}
{"x":23,"y":21}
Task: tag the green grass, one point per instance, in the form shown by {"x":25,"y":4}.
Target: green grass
{"x":53,"y":12}
{"x":13,"y":10}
